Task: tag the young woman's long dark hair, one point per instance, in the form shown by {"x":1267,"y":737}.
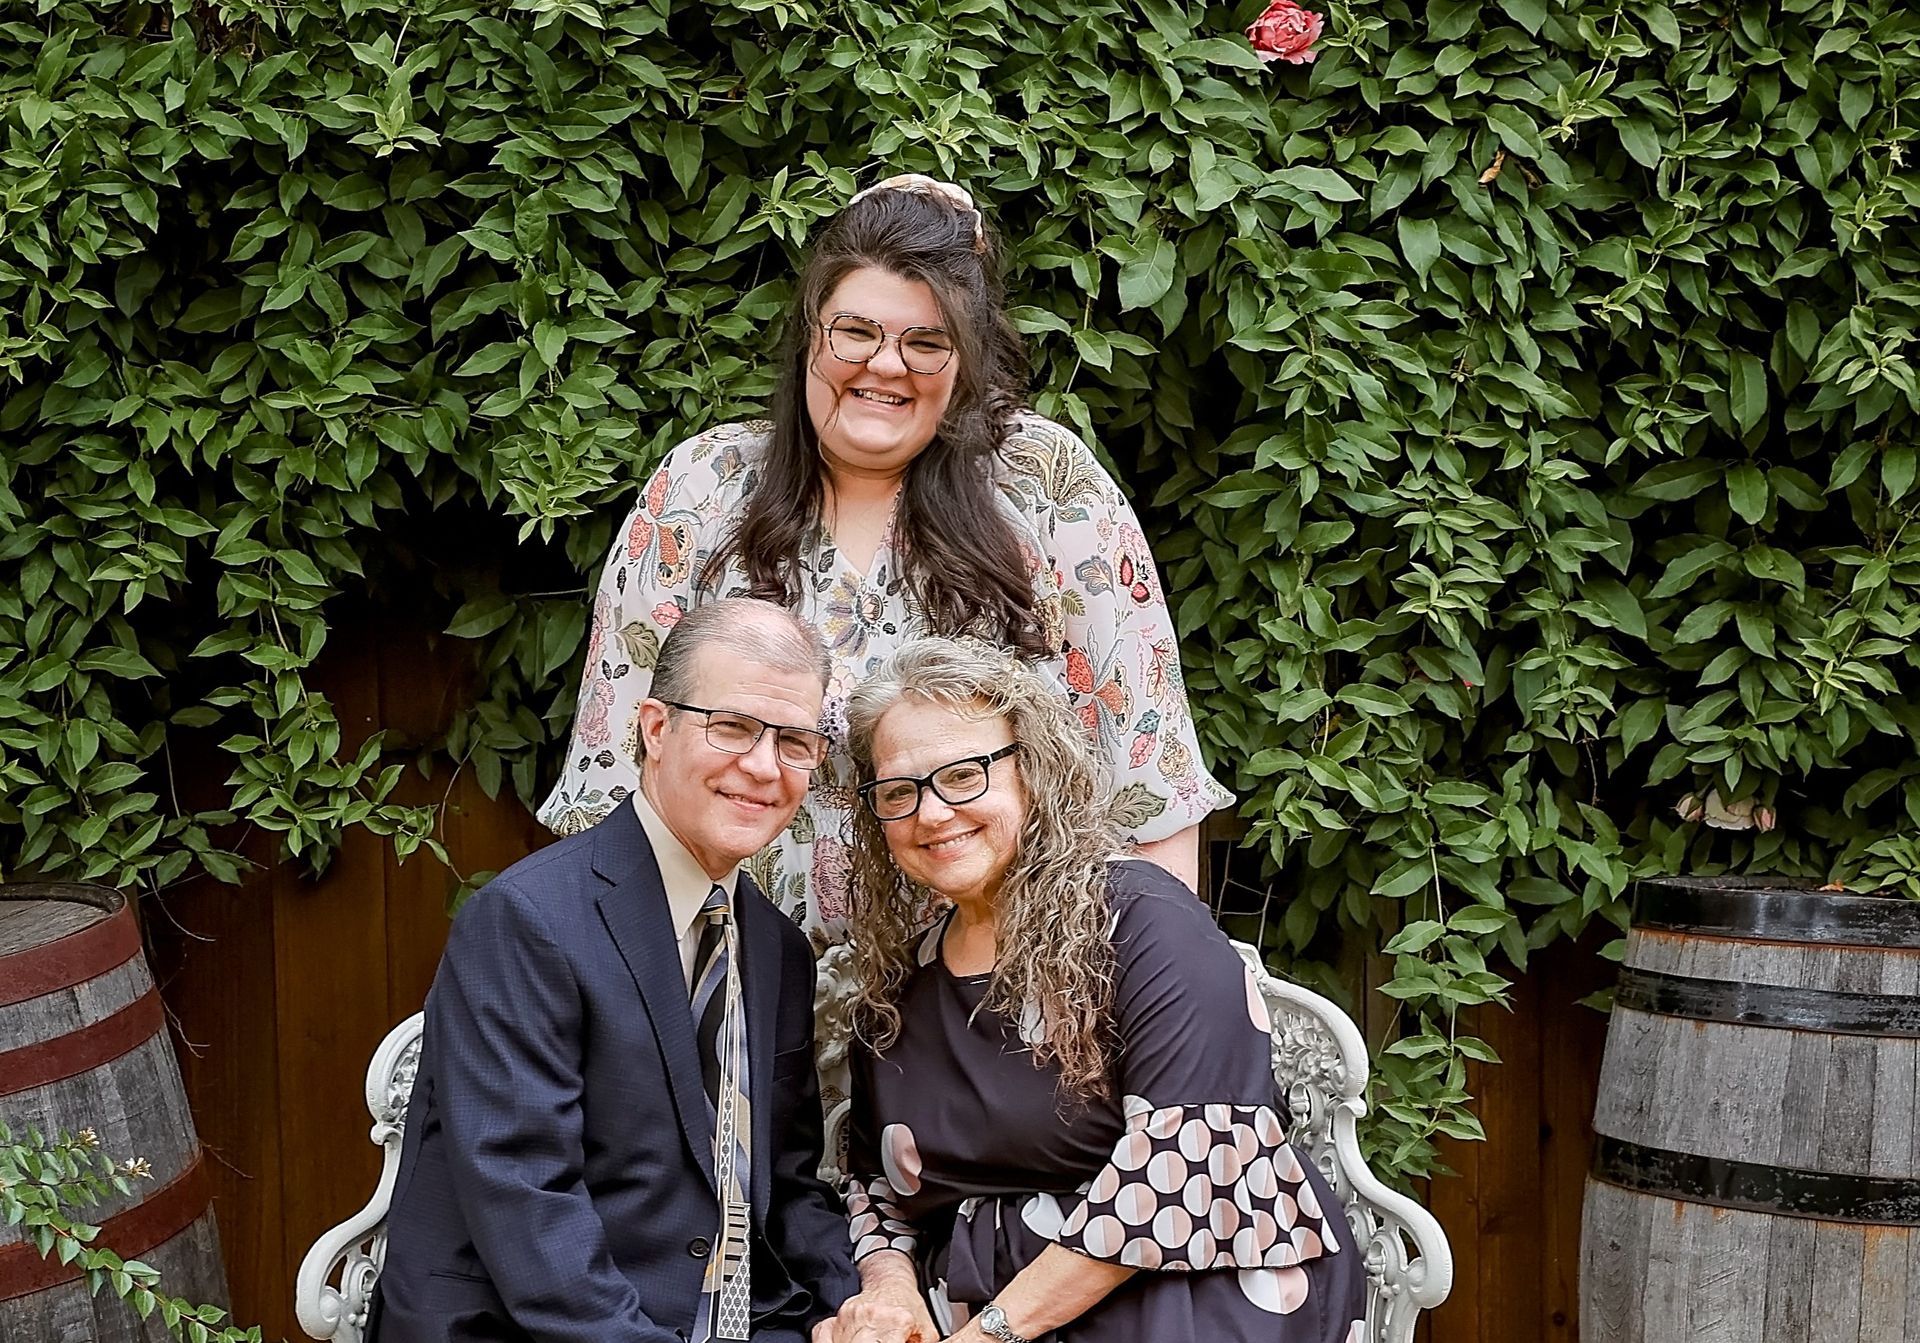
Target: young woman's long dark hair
{"x":959,"y":553}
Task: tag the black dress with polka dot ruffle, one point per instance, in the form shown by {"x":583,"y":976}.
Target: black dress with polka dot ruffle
{"x":966,"y":1158}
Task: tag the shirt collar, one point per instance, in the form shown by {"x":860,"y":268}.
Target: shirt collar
{"x":686,"y":881}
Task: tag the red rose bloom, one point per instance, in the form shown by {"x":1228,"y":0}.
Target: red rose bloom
{"x":1285,"y":32}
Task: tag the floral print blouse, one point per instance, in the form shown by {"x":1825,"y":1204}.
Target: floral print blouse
{"x":1096,"y":590}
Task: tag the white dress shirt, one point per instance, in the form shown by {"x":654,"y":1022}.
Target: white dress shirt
{"x":686,"y":881}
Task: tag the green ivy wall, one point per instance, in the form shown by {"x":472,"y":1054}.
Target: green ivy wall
{"x":1521,"y":396}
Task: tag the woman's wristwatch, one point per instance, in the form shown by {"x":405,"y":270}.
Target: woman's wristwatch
{"x":993,"y":1323}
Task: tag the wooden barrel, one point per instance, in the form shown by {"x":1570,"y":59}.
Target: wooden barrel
{"x":1756,"y":1172}
{"x":83,"y":1044}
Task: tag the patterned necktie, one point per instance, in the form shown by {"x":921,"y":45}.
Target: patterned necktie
{"x":720,"y":1023}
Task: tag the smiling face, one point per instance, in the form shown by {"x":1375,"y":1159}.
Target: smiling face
{"x":960,"y":851}
{"x":872,"y":419}
{"x":726,"y":808}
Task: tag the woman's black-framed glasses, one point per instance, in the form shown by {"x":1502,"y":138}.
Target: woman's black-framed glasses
{"x":958,"y":781}
{"x":853,"y":339}
{"x":738,"y":733}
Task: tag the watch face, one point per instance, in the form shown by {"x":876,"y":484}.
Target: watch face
{"x":994,"y":1321}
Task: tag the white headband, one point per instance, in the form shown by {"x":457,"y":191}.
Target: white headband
{"x":920,"y":184}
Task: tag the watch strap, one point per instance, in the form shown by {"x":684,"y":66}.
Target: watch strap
{"x":993,"y":1321}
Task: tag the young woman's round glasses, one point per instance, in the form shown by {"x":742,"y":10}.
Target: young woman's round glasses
{"x":739,"y":733}
{"x":895,"y":799}
{"x":853,"y":339}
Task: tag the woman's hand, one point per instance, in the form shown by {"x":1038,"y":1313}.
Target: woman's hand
{"x":1059,"y":1286}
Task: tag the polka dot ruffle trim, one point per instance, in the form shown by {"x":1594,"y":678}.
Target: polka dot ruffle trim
{"x":874,"y":1220}
{"x":1201,"y":1187}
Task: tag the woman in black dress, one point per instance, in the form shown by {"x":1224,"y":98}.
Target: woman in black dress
{"x":1066,"y":1125}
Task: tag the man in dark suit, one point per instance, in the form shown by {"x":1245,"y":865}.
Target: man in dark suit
{"x":606,"y":1006}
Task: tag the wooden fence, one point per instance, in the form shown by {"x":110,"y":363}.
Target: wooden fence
{"x":279,"y":989}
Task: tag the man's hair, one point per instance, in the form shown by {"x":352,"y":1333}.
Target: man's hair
{"x":751,"y":631}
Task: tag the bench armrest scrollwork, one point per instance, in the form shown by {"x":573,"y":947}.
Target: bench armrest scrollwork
{"x":335,"y":1285}
{"x":1320,"y":1058}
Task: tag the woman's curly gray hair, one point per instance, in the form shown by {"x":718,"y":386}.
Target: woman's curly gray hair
{"x":1054,"y":953}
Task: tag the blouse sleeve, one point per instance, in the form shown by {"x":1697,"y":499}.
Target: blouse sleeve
{"x":1122,"y":656}
{"x":875,"y":1219}
{"x":1203,"y":1177}
{"x":646,"y":585}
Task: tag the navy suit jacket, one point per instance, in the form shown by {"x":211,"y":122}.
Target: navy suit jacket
{"x":556,"y":1180}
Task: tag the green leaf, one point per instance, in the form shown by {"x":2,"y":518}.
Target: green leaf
{"x":1373,"y":699}
{"x":1414,"y":938}
{"x":1639,"y":722}
{"x":1477,"y":920}
{"x":492,"y":359}
{"x":1620,"y":604}
{"x":1836,"y":40}
{"x":217,"y":310}
{"x":1515,"y":128}
{"x":1419,"y":244}
{"x":1230,"y":52}
{"x":1322,"y":182}
{"x":357,"y":192}
{"x":1687,"y":566}
{"x":1897,"y":469}
{"x":1529,"y":14}
{"x":1404,"y":879}
{"x":686,"y":149}
{"x":1094,"y":348}
{"x":549,"y":342}
{"x":1747,"y":391}
{"x":1639,"y":140}
{"x":300,"y":569}
{"x":1747,"y":491}
{"x":122,"y":662}
{"x":1145,"y":280}
{"x":482,"y":616}
{"x":1857,"y":98}
{"x":35,"y":112}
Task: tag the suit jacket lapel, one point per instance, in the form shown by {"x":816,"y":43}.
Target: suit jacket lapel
{"x":760,"y":972}
{"x":634,"y":909}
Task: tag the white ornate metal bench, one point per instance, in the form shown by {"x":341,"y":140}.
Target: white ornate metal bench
{"x":1318,"y":1054}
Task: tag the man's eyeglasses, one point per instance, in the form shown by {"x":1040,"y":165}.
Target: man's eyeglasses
{"x":854,"y":340}
{"x":895,"y":799}
{"x":738,"y":733}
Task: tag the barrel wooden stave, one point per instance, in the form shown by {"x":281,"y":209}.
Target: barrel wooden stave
{"x":1883,"y":1287}
{"x":135,"y":1103}
{"x":1790,"y":1276}
{"x":1722,"y":1275}
{"x":1896,"y":1122}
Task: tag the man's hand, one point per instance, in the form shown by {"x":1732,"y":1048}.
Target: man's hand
{"x":885,"y":1313}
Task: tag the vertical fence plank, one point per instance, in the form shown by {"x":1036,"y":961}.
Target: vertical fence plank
{"x":1512,"y":1213}
{"x":424,"y":681}
{"x":212,"y":951}
{"x":1512,"y":1251}
{"x":1573,"y":1041}
{"x":421,"y":686}
{"x":330,"y":956}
